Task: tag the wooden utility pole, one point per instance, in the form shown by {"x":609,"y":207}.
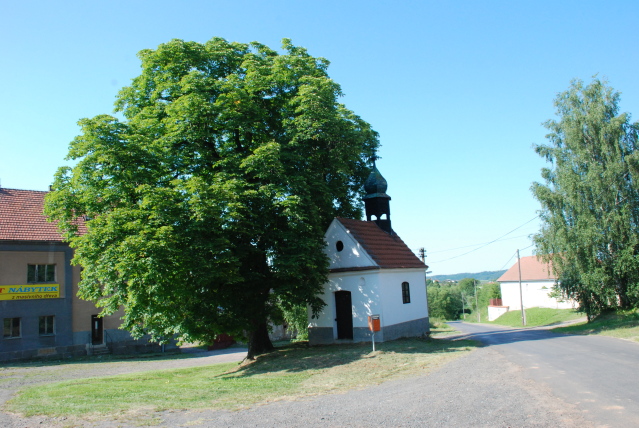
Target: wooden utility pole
{"x":476,"y":302}
{"x":521,"y":297}
{"x":463,"y":308}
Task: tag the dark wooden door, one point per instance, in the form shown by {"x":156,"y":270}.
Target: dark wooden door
{"x":97,"y":330}
{"x":344,"y":314}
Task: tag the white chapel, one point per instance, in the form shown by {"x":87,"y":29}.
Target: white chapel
{"x":372,"y":272}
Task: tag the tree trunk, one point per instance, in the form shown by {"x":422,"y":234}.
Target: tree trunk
{"x":622,"y":293}
{"x":259,"y":342}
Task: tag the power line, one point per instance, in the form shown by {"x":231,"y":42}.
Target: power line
{"x":531,"y":245}
{"x":514,"y":254}
{"x":508,"y":261}
{"x":418,"y":250}
{"x":488,"y":243}
{"x":474,"y":245}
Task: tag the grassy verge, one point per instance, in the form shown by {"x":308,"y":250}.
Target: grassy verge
{"x":439,"y":328}
{"x":292,"y":371}
{"x":536,"y":317}
{"x":621,"y":324}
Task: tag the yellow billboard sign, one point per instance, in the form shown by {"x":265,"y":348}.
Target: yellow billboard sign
{"x":27,"y":292}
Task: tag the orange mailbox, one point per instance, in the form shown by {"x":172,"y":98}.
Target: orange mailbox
{"x":373,"y":323}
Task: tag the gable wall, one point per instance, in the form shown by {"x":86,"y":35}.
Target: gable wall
{"x":353,"y":255}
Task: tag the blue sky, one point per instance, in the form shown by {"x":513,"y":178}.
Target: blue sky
{"x":458,"y":91}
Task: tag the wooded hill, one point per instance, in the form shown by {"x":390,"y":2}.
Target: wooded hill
{"x":487,"y":275}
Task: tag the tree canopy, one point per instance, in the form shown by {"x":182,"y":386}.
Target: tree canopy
{"x":590,"y":198}
{"x":444,"y":301}
{"x":450,"y":300}
{"x":468,"y":286}
{"x":208,"y":201}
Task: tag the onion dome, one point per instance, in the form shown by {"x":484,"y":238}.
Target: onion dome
{"x":375,"y":185}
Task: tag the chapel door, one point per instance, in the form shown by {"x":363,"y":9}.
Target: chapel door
{"x":97,"y":330}
{"x":344,"y":314}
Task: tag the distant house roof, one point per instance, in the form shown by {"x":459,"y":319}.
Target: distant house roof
{"x":388,"y":251}
{"x":22,"y":217}
{"x":532,"y":269}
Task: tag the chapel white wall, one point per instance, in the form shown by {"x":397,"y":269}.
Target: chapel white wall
{"x":364,"y":288}
{"x":394,"y":311}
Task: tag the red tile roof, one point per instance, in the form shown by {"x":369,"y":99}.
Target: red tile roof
{"x":22,"y":219}
{"x":388,"y":251}
{"x":532,"y":269}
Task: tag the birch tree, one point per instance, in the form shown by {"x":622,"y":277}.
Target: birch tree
{"x":590,"y":198}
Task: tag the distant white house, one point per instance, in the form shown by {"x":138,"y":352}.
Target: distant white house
{"x":372,"y":272}
{"x":537,"y":280}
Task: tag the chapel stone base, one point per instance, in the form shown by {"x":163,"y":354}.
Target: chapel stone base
{"x":415,"y":328}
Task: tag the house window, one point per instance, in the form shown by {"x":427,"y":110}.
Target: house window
{"x":405,"y":292}
{"x":11,"y":328}
{"x":40,"y":273}
{"x":46,"y":325}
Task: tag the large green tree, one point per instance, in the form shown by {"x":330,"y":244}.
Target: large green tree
{"x":590,"y":198}
{"x":207,"y":202}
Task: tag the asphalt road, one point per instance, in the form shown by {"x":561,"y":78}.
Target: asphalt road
{"x":597,"y":374}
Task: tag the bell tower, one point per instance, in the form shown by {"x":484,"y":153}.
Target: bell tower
{"x":376,"y":201}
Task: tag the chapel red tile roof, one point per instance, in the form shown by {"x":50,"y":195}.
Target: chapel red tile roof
{"x":388,"y":251}
{"x":22,"y":218}
{"x":532,"y":269}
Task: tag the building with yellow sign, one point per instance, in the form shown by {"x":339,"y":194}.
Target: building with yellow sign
{"x":40,"y":312}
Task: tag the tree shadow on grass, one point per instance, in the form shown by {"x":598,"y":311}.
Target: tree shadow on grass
{"x":300,"y":357}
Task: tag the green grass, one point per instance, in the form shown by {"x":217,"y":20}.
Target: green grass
{"x":536,"y":317}
{"x":439,"y":328}
{"x":92,"y":359}
{"x":293,"y":371}
{"x":621,"y":324}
